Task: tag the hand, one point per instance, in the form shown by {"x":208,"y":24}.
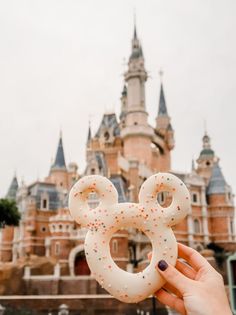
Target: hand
{"x":195,"y":288}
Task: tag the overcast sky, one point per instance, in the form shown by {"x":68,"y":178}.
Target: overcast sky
{"x":61,"y":64}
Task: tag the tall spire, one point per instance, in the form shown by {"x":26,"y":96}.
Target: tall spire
{"x":163,"y":121}
{"x":137,"y":51}
{"x":11,"y":194}
{"x":89,"y":133}
{"x":135,"y":30}
{"x":59,"y":162}
{"x":162,"y":109}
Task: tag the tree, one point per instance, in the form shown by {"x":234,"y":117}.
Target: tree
{"x":9,"y":214}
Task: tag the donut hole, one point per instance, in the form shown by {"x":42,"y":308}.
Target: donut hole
{"x":129,"y":249}
{"x":93,"y":199}
{"x":164,"y":198}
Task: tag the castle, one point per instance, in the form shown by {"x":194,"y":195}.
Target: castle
{"x":127,"y":151}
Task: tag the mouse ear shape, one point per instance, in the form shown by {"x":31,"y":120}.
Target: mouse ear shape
{"x":78,"y":197}
{"x":180,"y":204}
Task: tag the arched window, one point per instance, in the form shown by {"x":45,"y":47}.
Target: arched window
{"x":106,"y":135}
{"x":197,"y":226}
{"x":194,"y":197}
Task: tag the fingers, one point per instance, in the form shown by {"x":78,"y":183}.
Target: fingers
{"x":174,"y":277}
{"x":193,"y":257}
{"x":171,"y":300}
{"x":168,"y":287}
{"x":186,"y":270}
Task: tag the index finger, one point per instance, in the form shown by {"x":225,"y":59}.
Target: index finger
{"x":196,"y":260}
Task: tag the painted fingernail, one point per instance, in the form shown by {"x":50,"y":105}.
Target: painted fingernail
{"x":162,"y":265}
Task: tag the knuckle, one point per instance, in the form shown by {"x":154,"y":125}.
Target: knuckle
{"x":172,"y":274}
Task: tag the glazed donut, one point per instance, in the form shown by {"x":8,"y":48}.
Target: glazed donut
{"x":110,"y":216}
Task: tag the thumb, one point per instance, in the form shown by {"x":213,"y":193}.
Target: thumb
{"x":174,"y":277}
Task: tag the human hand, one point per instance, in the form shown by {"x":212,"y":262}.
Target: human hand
{"x":195,"y":288}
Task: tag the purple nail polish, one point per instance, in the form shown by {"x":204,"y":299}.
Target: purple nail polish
{"x":162,"y":265}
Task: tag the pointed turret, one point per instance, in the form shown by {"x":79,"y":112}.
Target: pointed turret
{"x":163,"y":124}
{"x":217,"y":183}
{"x":137,"y":51}
{"x":59,"y":162}
{"x":59,"y":174}
{"x":11,"y":194}
{"x":162,"y":109}
{"x":12,"y":191}
{"x":89,"y":135}
{"x":135,"y":30}
{"x":206,"y":158}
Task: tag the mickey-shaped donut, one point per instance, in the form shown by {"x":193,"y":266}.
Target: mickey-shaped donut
{"x":110,"y":216}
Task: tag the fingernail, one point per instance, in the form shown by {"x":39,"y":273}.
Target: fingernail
{"x":162,"y":265}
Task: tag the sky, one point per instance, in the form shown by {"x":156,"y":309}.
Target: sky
{"x":62,"y":64}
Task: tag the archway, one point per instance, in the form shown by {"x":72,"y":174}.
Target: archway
{"x":81,"y":267}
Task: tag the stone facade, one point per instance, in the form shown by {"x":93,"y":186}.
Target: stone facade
{"x":127,"y":151}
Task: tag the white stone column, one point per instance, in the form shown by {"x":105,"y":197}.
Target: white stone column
{"x":15,"y":244}
{"x":204,"y":215}
{"x":47,"y":246}
{"x":27,"y":272}
{"x":190,"y":228}
{"x":57,"y":271}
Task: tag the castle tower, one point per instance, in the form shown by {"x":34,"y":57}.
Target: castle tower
{"x":164,"y":134}
{"x":58,"y":172}
{"x":221,"y":210}
{"x":136,"y":133}
{"x":206,"y":158}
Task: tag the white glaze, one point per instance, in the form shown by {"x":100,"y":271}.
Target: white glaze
{"x":109,"y":216}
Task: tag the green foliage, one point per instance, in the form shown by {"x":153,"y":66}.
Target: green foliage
{"x":9,"y":214}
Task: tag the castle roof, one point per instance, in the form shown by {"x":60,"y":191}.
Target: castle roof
{"x":162,"y":109}
{"x":89,"y":134}
{"x":217,"y":183}
{"x":109,"y":121}
{"x":39,"y":189}
{"x":11,"y":194}
{"x":207,"y":150}
{"x":59,"y":162}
